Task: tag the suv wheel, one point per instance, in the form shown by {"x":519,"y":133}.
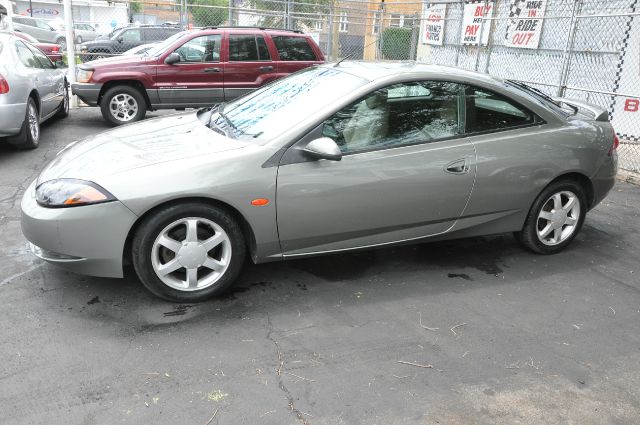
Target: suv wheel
{"x":123,"y":105}
{"x":62,"y":42}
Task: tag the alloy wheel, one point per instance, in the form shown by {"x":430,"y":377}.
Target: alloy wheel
{"x":191,"y":254}
{"x":34,"y":125}
{"x":558,"y":218}
{"x":123,"y":107}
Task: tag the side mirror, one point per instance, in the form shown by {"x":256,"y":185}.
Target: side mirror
{"x":120,"y":39}
{"x":323,"y":148}
{"x":172,"y":58}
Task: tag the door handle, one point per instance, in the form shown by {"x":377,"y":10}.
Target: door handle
{"x":266,"y":68}
{"x":459,"y":166}
{"x":210,"y":70}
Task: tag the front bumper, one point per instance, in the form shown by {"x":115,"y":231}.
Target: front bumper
{"x":87,"y":240}
{"x":87,"y":92}
{"x":11,"y":118}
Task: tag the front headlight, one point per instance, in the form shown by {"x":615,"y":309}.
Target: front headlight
{"x":71,"y":193}
{"x":83,"y":75}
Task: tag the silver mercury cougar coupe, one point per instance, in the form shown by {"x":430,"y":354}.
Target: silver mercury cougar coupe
{"x":330,"y":159}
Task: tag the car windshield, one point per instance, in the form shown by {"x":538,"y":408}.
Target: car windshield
{"x":268,"y":112}
{"x":162,"y":47}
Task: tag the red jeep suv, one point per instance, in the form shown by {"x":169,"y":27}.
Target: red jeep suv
{"x":193,"y":69}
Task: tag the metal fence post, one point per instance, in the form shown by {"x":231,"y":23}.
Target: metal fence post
{"x":568,"y":49}
{"x":460,"y":26}
{"x":330,"y":35}
{"x":9,"y":18}
{"x":414,"y":39}
{"x":71,"y":48}
{"x":486,"y":2}
{"x":230,"y":18}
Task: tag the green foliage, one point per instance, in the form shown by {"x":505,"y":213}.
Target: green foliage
{"x":395,"y":43}
{"x":209,"y":16}
{"x":135,"y":7}
{"x":305,"y":14}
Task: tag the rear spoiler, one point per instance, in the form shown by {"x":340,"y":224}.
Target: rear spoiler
{"x":598,"y":113}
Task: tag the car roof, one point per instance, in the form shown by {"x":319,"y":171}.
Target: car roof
{"x":381,"y":69}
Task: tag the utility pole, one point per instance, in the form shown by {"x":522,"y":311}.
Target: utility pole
{"x":71,"y":47}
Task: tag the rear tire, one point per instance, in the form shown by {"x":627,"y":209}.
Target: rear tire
{"x":63,"y":112}
{"x":29,"y":136}
{"x":555,"y":219}
{"x":123,"y":105}
{"x":180,"y":261}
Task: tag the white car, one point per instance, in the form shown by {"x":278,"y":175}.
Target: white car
{"x":140,"y":49}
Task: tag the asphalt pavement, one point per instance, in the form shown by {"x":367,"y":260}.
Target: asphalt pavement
{"x":475,"y":331}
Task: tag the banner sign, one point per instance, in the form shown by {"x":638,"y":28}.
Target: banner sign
{"x":625,"y":110}
{"x":433,"y":31}
{"x":523,"y":30}
{"x":472,"y":20}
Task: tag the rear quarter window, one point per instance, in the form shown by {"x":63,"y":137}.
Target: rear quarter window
{"x":488,"y":111}
{"x":293,"y":48}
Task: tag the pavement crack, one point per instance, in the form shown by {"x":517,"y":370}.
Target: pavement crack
{"x":281,"y":364}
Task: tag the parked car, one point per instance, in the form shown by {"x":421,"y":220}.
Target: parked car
{"x":84,"y":32}
{"x":40,"y":30}
{"x":119,"y":41}
{"x":51,"y":50}
{"x":333,"y":158}
{"x":32,"y":90}
{"x":193,"y":69}
{"x":140,"y":49}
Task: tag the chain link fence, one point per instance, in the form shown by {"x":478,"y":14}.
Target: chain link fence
{"x":584,"y":49}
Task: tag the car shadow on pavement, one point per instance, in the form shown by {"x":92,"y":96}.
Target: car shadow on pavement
{"x":410,"y":272}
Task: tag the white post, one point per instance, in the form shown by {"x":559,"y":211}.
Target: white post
{"x":9,"y":20}
{"x":71,"y":48}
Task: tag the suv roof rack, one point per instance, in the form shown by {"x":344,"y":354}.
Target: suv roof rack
{"x":253,"y":28}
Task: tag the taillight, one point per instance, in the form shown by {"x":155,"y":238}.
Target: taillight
{"x":55,"y":49}
{"x":4,"y":85}
{"x":616,"y":143}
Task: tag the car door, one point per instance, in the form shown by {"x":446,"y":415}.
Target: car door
{"x":45,"y":32}
{"x":294,"y":53}
{"x":128,"y":39}
{"x":32,"y":69}
{"x":406,"y":172}
{"x":50,"y":83}
{"x":249,"y":64}
{"x":198,"y":78}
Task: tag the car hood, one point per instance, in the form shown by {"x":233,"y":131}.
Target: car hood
{"x":167,"y":139}
{"x":116,"y":61}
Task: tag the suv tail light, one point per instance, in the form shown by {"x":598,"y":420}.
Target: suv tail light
{"x":4,"y":85}
{"x":55,"y":49}
{"x":616,"y":143}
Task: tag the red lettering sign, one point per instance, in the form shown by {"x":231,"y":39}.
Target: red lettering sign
{"x":632,"y":105}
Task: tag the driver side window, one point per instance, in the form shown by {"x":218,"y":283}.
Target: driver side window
{"x":398,"y":115}
{"x":200,"y":49}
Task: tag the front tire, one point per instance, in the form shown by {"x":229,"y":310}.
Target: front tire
{"x":29,"y":136}
{"x":555,"y":219}
{"x":123,"y":105}
{"x":188,"y":252}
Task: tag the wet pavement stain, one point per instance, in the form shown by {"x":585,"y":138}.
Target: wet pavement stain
{"x":179,"y":310}
{"x":459,"y":275}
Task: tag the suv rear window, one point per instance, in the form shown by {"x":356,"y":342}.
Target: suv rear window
{"x":293,"y":48}
{"x":243,"y":48}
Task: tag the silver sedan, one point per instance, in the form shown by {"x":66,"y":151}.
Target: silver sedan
{"x":333,"y":158}
{"x":32,"y":90}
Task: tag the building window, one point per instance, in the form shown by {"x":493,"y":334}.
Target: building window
{"x":397,"y":20}
{"x":376,"y":23}
{"x":344,"y":22}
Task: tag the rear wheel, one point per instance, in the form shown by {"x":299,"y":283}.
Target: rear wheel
{"x":62,"y":42}
{"x":189,"y":252}
{"x":29,"y":136}
{"x":123,"y":105}
{"x":555,"y":218}
{"x":63,"y":112}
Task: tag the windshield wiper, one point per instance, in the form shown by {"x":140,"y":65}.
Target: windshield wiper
{"x":231,"y":128}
